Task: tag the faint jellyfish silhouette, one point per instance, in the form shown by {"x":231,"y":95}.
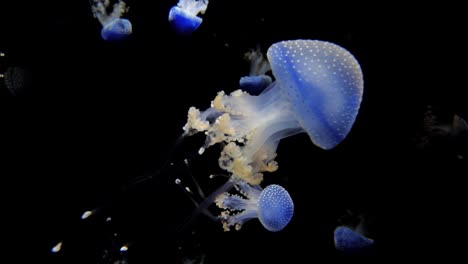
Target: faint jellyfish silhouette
{"x":257,"y":80}
{"x":114,"y":28}
{"x":443,"y":133}
{"x":348,"y":240}
{"x":318,"y":90}
{"x":351,"y":236}
{"x":17,"y":79}
{"x":183,"y":16}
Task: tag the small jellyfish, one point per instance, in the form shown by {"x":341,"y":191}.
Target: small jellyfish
{"x":183,"y":16}
{"x":350,"y":241}
{"x":318,"y":89}
{"x":257,"y":80}
{"x":273,"y":206}
{"x":114,"y":28}
{"x":57,"y":247}
{"x":351,"y":236}
{"x":16,"y":78}
{"x":445,"y":134}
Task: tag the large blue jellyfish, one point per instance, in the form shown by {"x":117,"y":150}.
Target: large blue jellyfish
{"x":257,"y":80}
{"x":351,"y":242}
{"x":114,"y":28}
{"x":183,"y":16}
{"x":318,"y":90}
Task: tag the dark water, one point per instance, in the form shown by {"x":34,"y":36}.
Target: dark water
{"x":96,"y":116}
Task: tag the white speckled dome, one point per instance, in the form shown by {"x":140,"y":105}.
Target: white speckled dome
{"x":324,"y":83}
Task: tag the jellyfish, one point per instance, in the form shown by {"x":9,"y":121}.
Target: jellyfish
{"x":351,"y":235}
{"x":348,"y":240}
{"x":257,"y":80}
{"x":273,"y":206}
{"x":114,"y":28}
{"x":16,"y":78}
{"x":318,"y":89}
{"x":183,"y":16}
{"x":442,"y":134}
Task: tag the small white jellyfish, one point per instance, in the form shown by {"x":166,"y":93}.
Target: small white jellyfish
{"x":257,"y":80}
{"x":57,"y":247}
{"x":114,"y":28}
{"x":183,"y":16}
{"x":86,"y":214}
{"x":90,"y":213}
{"x":124,"y":248}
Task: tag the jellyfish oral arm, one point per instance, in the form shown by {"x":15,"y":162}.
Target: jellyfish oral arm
{"x":99,"y":11}
{"x":252,"y":127}
{"x":193,"y":7}
{"x":258,"y":63}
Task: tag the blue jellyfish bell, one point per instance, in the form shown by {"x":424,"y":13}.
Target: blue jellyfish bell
{"x":350,"y":241}
{"x":183,"y":16}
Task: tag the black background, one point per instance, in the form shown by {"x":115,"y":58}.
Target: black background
{"x":98,"y":115}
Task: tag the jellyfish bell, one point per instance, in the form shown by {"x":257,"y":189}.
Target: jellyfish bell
{"x":183,"y":16}
{"x":325,"y":84}
{"x":118,"y":29}
{"x":254,"y":84}
{"x":351,"y":236}
{"x":318,"y":89}
{"x":351,"y":241}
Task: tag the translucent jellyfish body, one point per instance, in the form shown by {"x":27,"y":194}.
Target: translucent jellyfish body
{"x":318,"y":89}
{"x":183,"y":16}
{"x":257,"y":80}
{"x":349,"y":241}
{"x":114,"y":28}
